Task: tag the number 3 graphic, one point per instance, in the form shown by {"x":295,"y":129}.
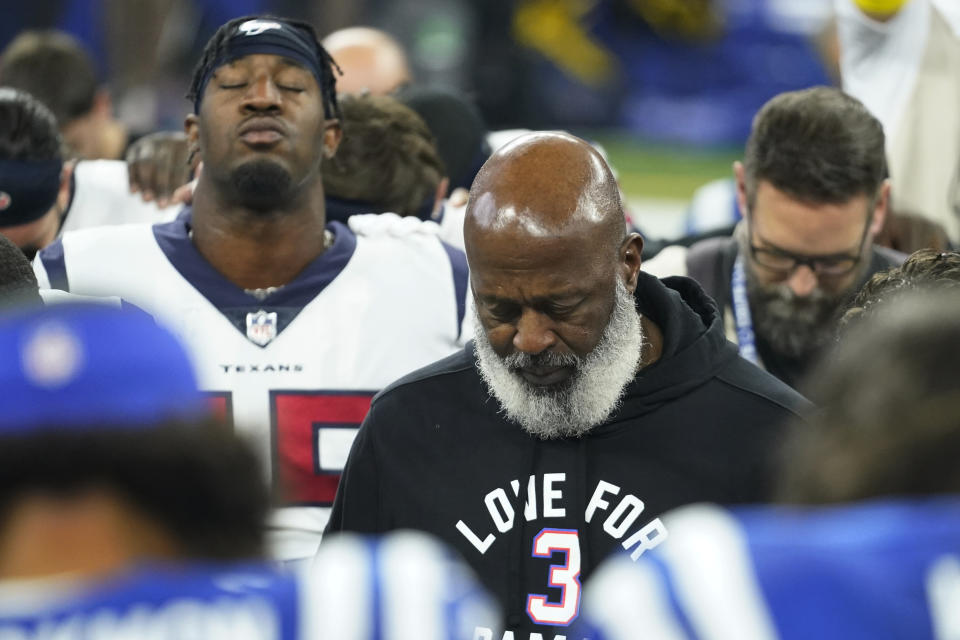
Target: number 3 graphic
{"x":564,"y":576}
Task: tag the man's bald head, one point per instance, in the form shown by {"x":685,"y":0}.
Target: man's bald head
{"x":371,"y":60}
{"x":553,"y":274}
{"x":546,"y":184}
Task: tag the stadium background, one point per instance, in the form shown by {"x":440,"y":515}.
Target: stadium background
{"x":668,"y":87}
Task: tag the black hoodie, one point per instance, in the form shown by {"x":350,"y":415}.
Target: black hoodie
{"x":534,"y":517}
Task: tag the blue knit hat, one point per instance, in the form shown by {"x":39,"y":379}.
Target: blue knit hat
{"x":91,"y":365}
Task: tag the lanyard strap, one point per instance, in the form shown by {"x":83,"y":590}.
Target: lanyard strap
{"x":741,"y":313}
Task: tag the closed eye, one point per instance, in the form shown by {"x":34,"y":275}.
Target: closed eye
{"x":561,"y":311}
{"x":284,"y":87}
{"x":503,"y":312}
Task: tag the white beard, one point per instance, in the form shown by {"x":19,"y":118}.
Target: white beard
{"x":585,"y":399}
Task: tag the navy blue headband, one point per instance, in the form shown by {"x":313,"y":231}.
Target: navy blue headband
{"x":273,"y":37}
{"x":28,"y":188}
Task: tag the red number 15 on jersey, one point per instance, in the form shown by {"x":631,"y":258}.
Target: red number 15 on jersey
{"x":310,"y":433}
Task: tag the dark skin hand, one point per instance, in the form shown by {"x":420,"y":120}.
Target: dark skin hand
{"x":260,"y":109}
{"x":546,"y":240}
{"x":158,"y":164}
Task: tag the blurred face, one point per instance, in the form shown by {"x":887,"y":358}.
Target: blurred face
{"x":803,"y":263}
{"x":560,"y":336}
{"x":261,"y":129}
{"x":80,"y":136}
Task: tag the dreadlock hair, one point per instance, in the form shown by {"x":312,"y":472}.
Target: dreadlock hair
{"x":217,"y":46}
{"x":926,"y":269}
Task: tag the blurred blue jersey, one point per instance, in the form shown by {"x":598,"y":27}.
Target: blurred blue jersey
{"x":242,"y":603}
{"x":401,"y":586}
{"x":873,"y":570}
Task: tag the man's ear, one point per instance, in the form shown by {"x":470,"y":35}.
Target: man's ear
{"x":332,"y":134}
{"x":880,"y":208}
{"x":740,"y":178}
{"x":191,"y":125}
{"x":630,"y":251}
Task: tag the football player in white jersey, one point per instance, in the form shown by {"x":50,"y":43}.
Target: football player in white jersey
{"x":43,"y":195}
{"x":294,"y":324}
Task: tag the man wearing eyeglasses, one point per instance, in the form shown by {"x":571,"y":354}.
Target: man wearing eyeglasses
{"x":814,"y":191}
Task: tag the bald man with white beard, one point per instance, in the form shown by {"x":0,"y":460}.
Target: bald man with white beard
{"x":595,"y":398}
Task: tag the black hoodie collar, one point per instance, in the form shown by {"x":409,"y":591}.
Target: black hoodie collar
{"x":694,"y":345}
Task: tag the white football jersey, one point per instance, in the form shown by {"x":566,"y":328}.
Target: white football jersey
{"x":296,"y":371}
{"x":101,"y":197}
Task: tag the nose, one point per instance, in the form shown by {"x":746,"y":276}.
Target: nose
{"x":262,"y":95}
{"x":534,"y":333}
{"x":803,"y":281}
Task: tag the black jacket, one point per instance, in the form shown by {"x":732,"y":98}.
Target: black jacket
{"x":700,"y":424}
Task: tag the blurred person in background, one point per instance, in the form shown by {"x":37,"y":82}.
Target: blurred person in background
{"x":103,"y":434}
{"x":54,"y":67}
{"x":295,"y":323}
{"x":458,"y":127}
{"x":123,"y":504}
{"x":34,"y":179}
{"x":42,"y":194}
{"x":875,"y":550}
{"x":387,"y":162}
{"x":812,"y":184}
{"x":901,"y":58}
{"x":372,"y":61}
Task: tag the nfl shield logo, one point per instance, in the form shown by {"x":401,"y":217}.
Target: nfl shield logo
{"x":262,"y":327}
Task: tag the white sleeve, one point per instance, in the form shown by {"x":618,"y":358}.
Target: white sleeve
{"x":704,"y":571}
{"x":451,"y":226}
{"x":626,"y":600}
{"x":102,"y":197}
{"x":400,"y":585}
{"x":42,"y":278}
{"x":879,"y":62}
{"x":56,"y":296}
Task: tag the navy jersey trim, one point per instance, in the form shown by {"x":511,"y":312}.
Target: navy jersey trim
{"x":174,"y":240}
{"x":461,"y":272}
{"x":54,"y":262}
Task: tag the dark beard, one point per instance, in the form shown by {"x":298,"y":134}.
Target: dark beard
{"x":261,"y":185}
{"x":794,"y":327}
